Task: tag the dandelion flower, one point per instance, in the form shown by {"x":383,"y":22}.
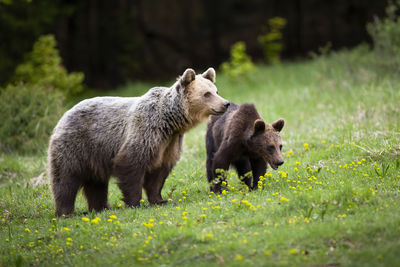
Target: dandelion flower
{"x":95,"y":220}
{"x":306,"y":147}
{"x":148,"y":225}
{"x":284,"y":199}
{"x":239,"y":258}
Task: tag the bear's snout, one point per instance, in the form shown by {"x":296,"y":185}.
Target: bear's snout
{"x":227,"y":104}
{"x":275,"y":164}
{"x":279,"y":163}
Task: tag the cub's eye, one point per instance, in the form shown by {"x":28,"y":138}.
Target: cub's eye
{"x":208,"y":94}
{"x":271,"y":148}
{"x":280,"y":147}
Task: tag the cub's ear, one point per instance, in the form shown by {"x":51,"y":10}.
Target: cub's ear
{"x":278,"y":125}
{"x":188,"y":76}
{"x":259,"y":127}
{"x":209,"y":74}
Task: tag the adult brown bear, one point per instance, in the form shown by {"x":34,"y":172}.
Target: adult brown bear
{"x":136,"y":139}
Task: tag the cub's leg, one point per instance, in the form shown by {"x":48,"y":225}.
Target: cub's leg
{"x":64,"y":192}
{"x":243,"y":167}
{"x":96,"y":195}
{"x":259,"y":167}
{"x":154,"y":182}
{"x":222,"y":160}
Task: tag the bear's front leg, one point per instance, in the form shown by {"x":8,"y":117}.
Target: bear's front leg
{"x":259,"y":167}
{"x":243,"y":168}
{"x":154,"y":182}
{"x":222,"y":160}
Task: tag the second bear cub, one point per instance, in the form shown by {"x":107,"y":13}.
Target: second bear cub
{"x":241,"y":138}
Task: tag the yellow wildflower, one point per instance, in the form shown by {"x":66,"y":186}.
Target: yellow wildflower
{"x":239,"y":258}
{"x":306,"y":147}
{"x":284,"y":199}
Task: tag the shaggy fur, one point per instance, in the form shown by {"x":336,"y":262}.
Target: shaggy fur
{"x":136,"y":139}
{"x":241,"y":138}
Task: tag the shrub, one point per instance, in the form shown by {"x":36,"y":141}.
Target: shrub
{"x":31,"y":105}
{"x":385,"y":34}
{"x":28,"y":114}
{"x":43,"y":67}
{"x":271,"y":41}
{"x":240,"y":63}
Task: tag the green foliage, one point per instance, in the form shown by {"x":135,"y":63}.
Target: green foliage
{"x":385,"y":34}
{"x":28,"y":113}
{"x":43,"y":67}
{"x":21,"y":23}
{"x":10,"y":2}
{"x":240,"y":64}
{"x":271,"y":41}
{"x":31,"y":105}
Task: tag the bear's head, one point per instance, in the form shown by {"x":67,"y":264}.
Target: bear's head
{"x":202,"y":95}
{"x":265,"y":141}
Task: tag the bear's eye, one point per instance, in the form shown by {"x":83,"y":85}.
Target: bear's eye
{"x":208,"y":94}
{"x":280,"y":147}
{"x":271,"y":148}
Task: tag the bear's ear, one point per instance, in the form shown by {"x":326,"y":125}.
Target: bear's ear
{"x":188,"y":76}
{"x":259,"y":127}
{"x":209,"y":74}
{"x":278,"y":125}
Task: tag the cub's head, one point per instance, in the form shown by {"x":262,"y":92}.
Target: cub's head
{"x":202,"y":95}
{"x":265,"y":141}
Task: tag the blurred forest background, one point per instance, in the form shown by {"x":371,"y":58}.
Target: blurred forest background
{"x":55,"y":53}
{"x":113,"y":42}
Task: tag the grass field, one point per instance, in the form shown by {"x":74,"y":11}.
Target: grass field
{"x":335,"y":201}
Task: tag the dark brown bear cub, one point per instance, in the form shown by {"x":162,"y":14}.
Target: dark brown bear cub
{"x":241,"y":137}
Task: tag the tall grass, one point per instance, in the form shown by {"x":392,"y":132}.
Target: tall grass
{"x":335,"y":201}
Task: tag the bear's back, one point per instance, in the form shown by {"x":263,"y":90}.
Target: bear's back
{"x":91,"y":131}
{"x":95,"y":114}
{"x":234,"y":122}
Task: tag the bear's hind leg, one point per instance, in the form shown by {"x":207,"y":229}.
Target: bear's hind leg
{"x":130,"y":174}
{"x":96,"y":195}
{"x":131,"y":191}
{"x":154,"y":182}
{"x":64,"y":196}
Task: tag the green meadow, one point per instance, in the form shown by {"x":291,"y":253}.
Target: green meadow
{"x":334,"y":202}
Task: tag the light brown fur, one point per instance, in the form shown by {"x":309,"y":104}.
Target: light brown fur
{"x":138,"y":140}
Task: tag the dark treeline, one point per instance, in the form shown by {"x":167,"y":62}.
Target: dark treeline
{"x":116,"y":41}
